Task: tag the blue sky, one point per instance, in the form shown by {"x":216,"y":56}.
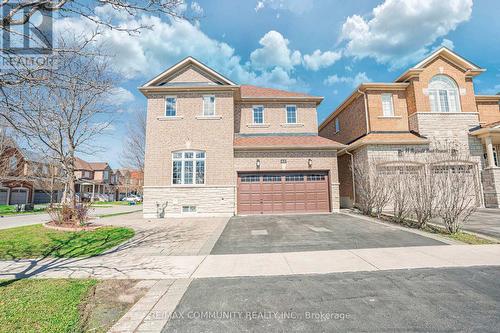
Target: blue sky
{"x":321,"y":47}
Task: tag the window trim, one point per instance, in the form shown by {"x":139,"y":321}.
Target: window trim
{"x":263,"y":115}
{"x":203,"y":108}
{"x":194,"y":159}
{"x":296,"y":114}
{"x":391,"y":100}
{"x":176,"y":115}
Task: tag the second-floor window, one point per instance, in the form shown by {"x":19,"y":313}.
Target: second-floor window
{"x":105,"y":175}
{"x":387,"y":105}
{"x":209,"y":105}
{"x":170,"y":106}
{"x":443,"y":94}
{"x":337,"y":125}
{"x":291,"y":114}
{"x":258,"y":114}
{"x":188,"y":168}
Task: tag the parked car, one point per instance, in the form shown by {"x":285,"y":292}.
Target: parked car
{"x":132,"y":198}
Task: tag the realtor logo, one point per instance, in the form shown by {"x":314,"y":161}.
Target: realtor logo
{"x":32,"y":37}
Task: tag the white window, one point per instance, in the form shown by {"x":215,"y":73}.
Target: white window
{"x":291,"y":114}
{"x":258,"y":114}
{"x":189,"y":209}
{"x":188,"y":167}
{"x":170,"y":106}
{"x":337,"y":125}
{"x":443,"y":94}
{"x":12,"y":163}
{"x":387,"y":105}
{"x":209,"y":105}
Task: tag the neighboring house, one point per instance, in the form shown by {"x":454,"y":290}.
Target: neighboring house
{"x":429,"y":105}
{"x":95,"y":181}
{"x":217,"y":148}
{"x":27,"y":178}
{"x":129,"y":182}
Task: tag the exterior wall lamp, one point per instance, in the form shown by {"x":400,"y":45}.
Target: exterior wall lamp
{"x":257,"y":164}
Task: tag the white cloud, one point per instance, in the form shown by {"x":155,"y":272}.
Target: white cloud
{"x":319,"y":59}
{"x":400,"y":31}
{"x":353,"y":81}
{"x":196,"y":8}
{"x":491,"y":91}
{"x":448,"y":43}
{"x":166,"y":43}
{"x":274,"y":52}
{"x":120,"y":96}
{"x":294,"y":6}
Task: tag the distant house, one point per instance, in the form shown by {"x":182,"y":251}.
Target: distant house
{"x":129,"y":182}
{"x":95,"y":181}
{"x":27,"y":177}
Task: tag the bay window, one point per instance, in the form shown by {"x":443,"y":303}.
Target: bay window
{"x":188,"y":168}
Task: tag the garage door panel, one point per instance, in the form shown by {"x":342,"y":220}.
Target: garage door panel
{"x":286,"y":192}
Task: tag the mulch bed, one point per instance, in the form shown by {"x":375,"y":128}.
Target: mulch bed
{"x":71,"y":226}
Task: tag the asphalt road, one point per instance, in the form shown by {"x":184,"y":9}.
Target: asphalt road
{"x":422,"y":300}
{"x":266,"y":234}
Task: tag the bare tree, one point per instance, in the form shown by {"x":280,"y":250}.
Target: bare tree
{"x":64,"y":115}
{"x":18,"y":69}
{"x":135,"y":143}
{"x":372,"y":191}
{"x":422,"y":197}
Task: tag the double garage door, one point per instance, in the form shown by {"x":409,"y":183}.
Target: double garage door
{"x":283,"y":193}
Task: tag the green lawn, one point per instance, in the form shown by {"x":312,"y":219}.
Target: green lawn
{"x":35,"y":305}
{"x":117,"y":214}
{"x":36,"y":241}
{"x":11,"y":210}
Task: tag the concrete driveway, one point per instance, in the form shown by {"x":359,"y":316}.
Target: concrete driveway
{"x":485,"y":221}
{"x":271,"y":234}
{"x":419,"y":300}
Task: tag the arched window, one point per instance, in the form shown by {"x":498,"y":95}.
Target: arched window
{"x":443,"y":94}
{"x":188,"y":167}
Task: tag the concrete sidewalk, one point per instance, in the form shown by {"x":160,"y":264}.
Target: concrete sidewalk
{"x":116,"y":266}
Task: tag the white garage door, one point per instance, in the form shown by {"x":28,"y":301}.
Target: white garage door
{"x":18,"y":196}
{"x":3,"y":196}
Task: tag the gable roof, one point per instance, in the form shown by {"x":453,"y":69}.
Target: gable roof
{"x":448,"y":54}
{"x":92,"y":166}
{"x":189,"y":61}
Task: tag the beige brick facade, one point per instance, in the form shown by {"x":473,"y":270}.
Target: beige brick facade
{"x":275,"y":118}
{"x":190,"y":130}
{"x":412,"y":111}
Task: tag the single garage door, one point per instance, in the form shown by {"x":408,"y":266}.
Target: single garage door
{"x":290,"y":192}
{"x":18,"y":196}
{"x":3,"y":196}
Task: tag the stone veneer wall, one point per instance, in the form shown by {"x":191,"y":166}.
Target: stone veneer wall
{"x":209,"y":200}
{"x":440,"y":128}
{"x":491,"y":187}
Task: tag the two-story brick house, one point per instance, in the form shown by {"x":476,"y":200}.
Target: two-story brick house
{"x":214,"y":147}
{"x":94,"y":181}
{"x":429,"y":105}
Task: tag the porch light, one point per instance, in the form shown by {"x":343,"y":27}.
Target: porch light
{"x":310,"y":163}
{"x":257,"y":163}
